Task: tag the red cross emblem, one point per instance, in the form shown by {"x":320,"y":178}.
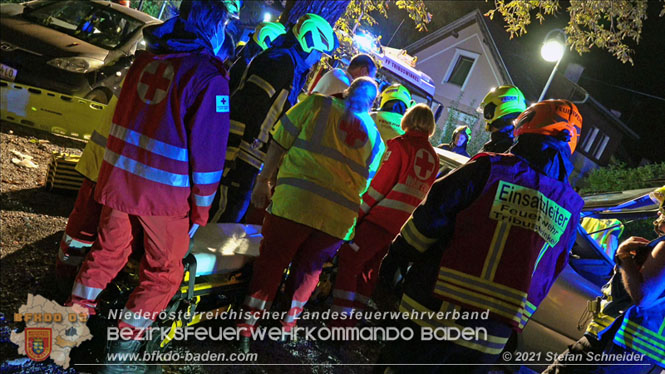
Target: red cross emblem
{"x":353,"y":133}
{"x":155,"y":81}
{"x":424,"y":164}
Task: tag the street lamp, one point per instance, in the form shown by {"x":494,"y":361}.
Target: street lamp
{"x":552,"y":50}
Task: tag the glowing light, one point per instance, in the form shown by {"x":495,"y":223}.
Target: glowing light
{"x":267,"y":17}
{"x":552,"y":51}
{"x":364,"y":42}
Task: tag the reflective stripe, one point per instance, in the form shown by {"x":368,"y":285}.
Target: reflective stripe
{"x":508,"y":294}
{"x":374,"y":194}
{"x":204,"y":201}
{"x":398,"y":205}
{"x":332,"y":153}
{"x":544,"y":249}
{"x":344,"y":295}
{"x":342,"y":309}
{"x":298,"y":304}
{"x":320,"y":191}
{"x":256,"y":152}
{"x":289,"y":126}
{"x":73,"y":243}
{"x":252,"y":161}
{"x":295,"y":310}
{"x":417,"y":240}
{"x":135,"y":319}
{"x":85,"y":292}
{"x":254,"y":303}
{"x":364,"y":207}
{"x":221,"y":206}
{"x":375,"y":149}
{"x":263,"y":84}
{"x":493,"y":345}
{"x":483,"y":301}
{"x":414,"y":192}
{"x":236,"y":127}
{"x":496,"y":250}
{"x":69,"y":259}
{"x":641,"y":339}
{"x":98,"y":139}
{"x":149,"y":144}
{"x":322,"y":122}
{"x":363,"y":299}
{"x":145,"y":171}
{"x":636,"y":344}
{"x":273,"y":114}
{"x":210,"y":177}
{"x":645,"y":334}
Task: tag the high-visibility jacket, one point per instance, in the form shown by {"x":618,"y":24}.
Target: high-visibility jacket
{"x":93,"y":153}
{"x":408,"y":170}
{"x":388,"y":123}
{"x":602,"y":231}
{"x":500,"y":233}
{"x":328,"y":166}
{"x":165,"y":150}
{"x":642,"y":330}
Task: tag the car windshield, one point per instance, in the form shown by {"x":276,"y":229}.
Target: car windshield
{"x":93,"y":23}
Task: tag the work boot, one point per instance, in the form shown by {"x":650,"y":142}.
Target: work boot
{"x":245,"y":344}
{"x":118,"y":358}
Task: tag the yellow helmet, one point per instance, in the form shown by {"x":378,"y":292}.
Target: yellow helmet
{"x":465,"y":129}
{"x":315,"y":33}
{"x":266,"y":32}
{"x":233,"y":7}
{"x":396,"y":92}
{"x":502,"y":101}
{"x":658,"y":196}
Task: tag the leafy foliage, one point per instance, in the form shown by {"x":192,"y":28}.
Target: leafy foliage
{"x":361,"y":11}
{"x":609,"y":25}
{"x":620,"y":177}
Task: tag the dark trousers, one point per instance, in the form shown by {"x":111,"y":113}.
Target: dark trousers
{"x":235,"y":192}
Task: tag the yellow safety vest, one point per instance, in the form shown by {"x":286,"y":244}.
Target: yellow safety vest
{"x":93,"y":153}
{"x":388,"y":123}
{"x":328,"y":166}
{"x":601,"y":230}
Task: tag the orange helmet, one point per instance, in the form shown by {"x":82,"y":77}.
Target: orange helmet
{"x":553,"y":118}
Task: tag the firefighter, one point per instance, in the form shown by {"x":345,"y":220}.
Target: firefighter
{"x":488,"y":243}
{"x":395,"y":100}
{"x":262,"y":38}
{"x":163,"y":161}
{"x":499,"y":108}
{"x":628,"y":316}
{"x":331,"y":150}
{"x":459,"y":141}
{"x":337,"y":80}
{"x":406,"y":175}
{"x":270,"y":86}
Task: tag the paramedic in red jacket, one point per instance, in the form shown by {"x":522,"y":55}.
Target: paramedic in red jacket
{"x":409,"y":168}
{"x":163,"y":161}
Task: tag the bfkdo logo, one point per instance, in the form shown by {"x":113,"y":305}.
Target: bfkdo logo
{"x":38,"y":343}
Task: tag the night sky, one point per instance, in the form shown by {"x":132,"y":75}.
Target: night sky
{"x":644,"y":115}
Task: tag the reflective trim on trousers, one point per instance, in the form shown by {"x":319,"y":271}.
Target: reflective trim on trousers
{"x":482,"y":301}
{"x":145,"y":171}
{"x":344,"y":295}
{"x":320,"y":191}
{"x":251,"y":160}
{"x":73,"y":243}
{"x":210,"y":177}
{"x":263,"y":84}
{"x":254,"y":303}
{"x":255,"y":152}
{"x":236,"y":127}
{"x":374,"y":194}
{"x":333,"y":154}
{"x":493,"y":345}
{"x":136,"y":320}
{"x":397,"y":205}
{"x":364,"y":207}
{"x":405,"y":189}
{"x":203,"y":201}
{"x":69,"y":259}
{"x":295,"y":310}
{"x":417,"y":240}
{"x":342,"y":310}
{"x":496,"y":250}
{"x":272,"y":116}
{"x":149,"y":144}
{"x":85,"y":292}
{"x":98,"y":139}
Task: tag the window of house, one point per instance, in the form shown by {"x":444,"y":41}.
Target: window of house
{"x":594,"y":143}
{"x":461,"y":70}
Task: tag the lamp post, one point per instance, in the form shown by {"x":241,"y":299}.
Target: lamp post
{"x":552,"y":50}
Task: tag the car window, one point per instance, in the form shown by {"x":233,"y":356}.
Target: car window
{"x":90,"y":22}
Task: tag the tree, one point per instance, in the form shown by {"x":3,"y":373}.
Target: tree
{"x":609,"y":25}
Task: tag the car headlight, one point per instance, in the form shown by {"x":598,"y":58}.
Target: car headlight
{"x":76,"y":64}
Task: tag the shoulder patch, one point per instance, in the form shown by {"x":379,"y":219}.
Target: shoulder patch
{"x":222,"y":103}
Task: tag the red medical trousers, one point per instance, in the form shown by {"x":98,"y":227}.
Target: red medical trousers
{"x":358,"y":270}
{"x":166,"y":241}
{"x":284,"y":242}
{"x":80,"y":232}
